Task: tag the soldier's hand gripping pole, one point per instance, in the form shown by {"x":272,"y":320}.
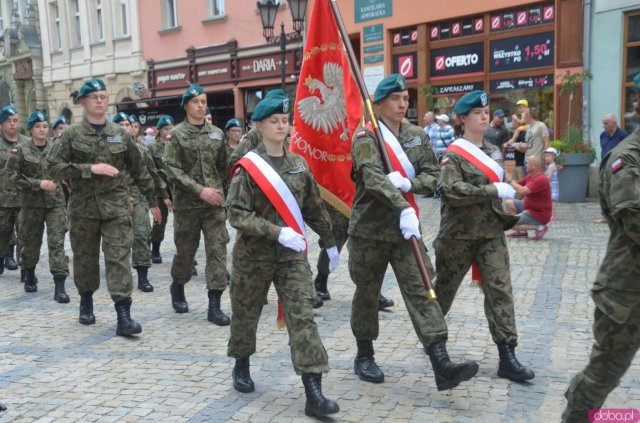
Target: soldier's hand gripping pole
{"x":368,"y":110}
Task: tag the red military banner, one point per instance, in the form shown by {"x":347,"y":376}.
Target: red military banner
{"x":328,"y":109}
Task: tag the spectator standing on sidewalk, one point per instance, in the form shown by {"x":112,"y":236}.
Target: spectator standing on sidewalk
{"x":612,"y":134}
{"x":441,"y":136}
{"x":497,"y":134}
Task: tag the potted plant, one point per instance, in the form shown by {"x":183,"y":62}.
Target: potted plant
{"x":428,"y":92}
{"x":574,"y":158}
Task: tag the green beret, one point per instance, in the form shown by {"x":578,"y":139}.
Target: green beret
{"x":91,"y":86}
{"x":207,"y":111}
{"x":232,"y":123}
{"x":477,"y":98}
{"x":36,"y":117}
{"x":278,"y":93}
{"x":193,"y":91}
{"x":120,"y":117}
{"x":391,"y":84}
{"x":164,"y":121}
{"x":133,"y":119}
{"x":270,"y":106}
{"x":636,"y":81}
{"x":7,"y":111}
{"x":61,"y":120}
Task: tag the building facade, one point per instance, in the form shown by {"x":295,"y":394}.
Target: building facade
{"x":85,"y":39}
{"x":21,"y":57}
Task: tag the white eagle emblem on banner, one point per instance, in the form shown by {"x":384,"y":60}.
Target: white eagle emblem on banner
{"x":328,"y":112}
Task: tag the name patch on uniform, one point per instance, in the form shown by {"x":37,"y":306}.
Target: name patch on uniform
{"x":412,"y":142}
{"x":616,"y":165}
{"x":298,"y":169}
{"x":114,"y":139}
{"x":215,"y":136}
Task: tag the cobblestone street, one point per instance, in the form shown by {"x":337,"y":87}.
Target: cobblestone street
{"x":53,"y":369}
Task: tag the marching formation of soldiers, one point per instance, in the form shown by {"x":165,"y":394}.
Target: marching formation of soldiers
{"x":99,"y":181}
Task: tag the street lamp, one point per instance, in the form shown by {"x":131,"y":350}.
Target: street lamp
{"x":268,"y":10}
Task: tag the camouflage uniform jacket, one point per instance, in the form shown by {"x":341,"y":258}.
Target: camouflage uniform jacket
{"x":258,"y":223}
{"x":194,"y":159}
{"x":31,"y":169}
{"x":98,"y":196}
{"x":470,"y":207}
{"x":156,"y":148}
{"x":377,"y":203}
{"x":620,"y":202}
{"x":159,"y":184}
{"x":9,"y":193}
{"x":248,"y":142}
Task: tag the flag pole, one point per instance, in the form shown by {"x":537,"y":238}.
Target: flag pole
{"x":368,"y":110}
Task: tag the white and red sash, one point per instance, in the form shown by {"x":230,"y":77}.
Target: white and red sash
{"x":471,"y":153}
{"x":277,"y":192}
{"x":399,"y":160}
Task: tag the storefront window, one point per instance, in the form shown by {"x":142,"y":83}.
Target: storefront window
{"x":631,"y":64}
{"x":541,"y":99}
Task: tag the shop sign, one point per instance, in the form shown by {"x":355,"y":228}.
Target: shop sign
{"x":213,"y":73}
{"x":366,"y":10}
{"x":171,"y":78}
{"x":457,"y":28}
{"x":529,"y":51}
{"x":405,"y":36}
{"x":376,"y":58}
{"x":372,"y":33}
{"x":523,"y":17}
{"x":459,"y":88}
{"x":405,"y":65}
{"x":149,"y":116}
{"x":265,"y":66}
{"x":539,"y":81}
{"x":375,"y":48}
{"x":464,"y":60}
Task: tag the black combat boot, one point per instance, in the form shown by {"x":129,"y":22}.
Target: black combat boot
{"x":321,"y":286}
{"x":365,"y":366}
{"x":317,"y":405}
{"x":384,"y":302}
{"x":1,"y":267}
{"x":319,"y":303}
{"x":86,"y":309}
{"x":156,"y":258}
{"x":510,"y":367}
{"x":60,"y":295}
{"x":241,"y":375}
{"x":30,"y":280}
{"x":23,"y":274}
{"x":126,"y":325}
{"x":178,"y":301}
{"x":9,"y":260}
{"x":449,"y":375}
{"x":143,"y":282}
{"x":215,"y":315}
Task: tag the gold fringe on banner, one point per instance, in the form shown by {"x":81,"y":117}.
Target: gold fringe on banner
{"x":335,"y":202}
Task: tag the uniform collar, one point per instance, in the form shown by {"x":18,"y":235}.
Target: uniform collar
{"x":288,"y":163}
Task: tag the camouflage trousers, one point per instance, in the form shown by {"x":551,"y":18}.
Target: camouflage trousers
{"x":141,"y":254}
{"x":340,"y":228}
{"x":32,"y":223}
{"x":157,"y":231}
{"x":250,"y":283}
{"x":9,"y":220}
{"x":615,"y":345}
{"x":453,"y":260}
{"x":368,"y":261}
{"x":117,"y":236}
{"x":187,"y":225}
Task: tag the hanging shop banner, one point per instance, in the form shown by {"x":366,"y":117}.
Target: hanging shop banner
{"x":405,"y":65}
{"x":373,"y":33}
{"x":213,"y":73}
{"x":164,"y":79}
{"x":453,"y":89}
{"x":529,"y":51}
{"x":265,"y":66}
{"x":367,"y":10}
{"x":539,"y":81}
{"x":464,"y":60}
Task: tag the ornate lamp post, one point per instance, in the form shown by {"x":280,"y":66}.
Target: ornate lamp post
{"x":268,"y":10}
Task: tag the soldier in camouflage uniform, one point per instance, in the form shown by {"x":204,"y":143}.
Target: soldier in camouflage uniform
{"x":616,"y":291}
{"x":267,"y":249}
{"x":98,"y":157}
{"x":58,"y":127}
{"x":197,"y":165}
{"x":472,"y":230}
{"x":136,"y":134}
{"x":42,"y":203}
{"x":10,"y":139}
{"x":164,"y":127}
{"x":382,"y":221}
{"x":232,"y":135}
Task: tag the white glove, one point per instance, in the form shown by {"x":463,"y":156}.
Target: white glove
{"x":334,"y":258}
{"x":505,"y":190}
{"x":399,"y":181}
{"x":409,"y":224}
{"x":291,"y":239}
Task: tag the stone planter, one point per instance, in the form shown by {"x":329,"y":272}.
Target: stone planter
{"x":573,"y":179}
